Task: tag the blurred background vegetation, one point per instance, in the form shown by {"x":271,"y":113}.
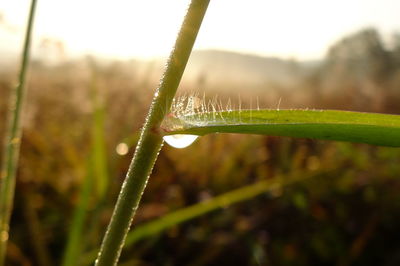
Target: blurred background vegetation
{"x":81,"y":126}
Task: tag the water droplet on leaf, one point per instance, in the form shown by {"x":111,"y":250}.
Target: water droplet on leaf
{"x":179,"y":140}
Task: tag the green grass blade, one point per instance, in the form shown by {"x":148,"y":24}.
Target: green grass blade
{"x":11,"y":150}
{"x":150,"y":141}
{"x":371,"y":128}
{"x":218,"y":202}
{"x":99,"y":158}
{"x":96,"y":180}
{"x":185,"y":214}
{"x":74,"y":242}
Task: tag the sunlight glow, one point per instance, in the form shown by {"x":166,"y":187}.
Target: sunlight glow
{"x":136,"y":28}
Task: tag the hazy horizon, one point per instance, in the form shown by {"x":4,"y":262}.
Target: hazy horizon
{"x":145,"y":29}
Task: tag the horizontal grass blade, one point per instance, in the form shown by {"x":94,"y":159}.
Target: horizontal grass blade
{"x":371,"y":128}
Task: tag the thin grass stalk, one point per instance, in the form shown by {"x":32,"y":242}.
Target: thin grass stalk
{"x":150,"y":141}
{"x":95,"y":183}
{"x":100,"y":164}
{"x":13,"y":140}
{"x":75,"y":235}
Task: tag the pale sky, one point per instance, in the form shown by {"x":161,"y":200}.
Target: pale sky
{"x":301,"y":29}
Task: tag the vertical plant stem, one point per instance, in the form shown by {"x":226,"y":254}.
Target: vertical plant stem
{"x":150,"y":141}
{"x":94,"y":186}
{"x":75,"y":234}
{"x":13,"y":139}
{"x":98,"y":147}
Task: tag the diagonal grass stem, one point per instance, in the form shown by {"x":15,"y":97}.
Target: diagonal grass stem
{"x":150,"y":141}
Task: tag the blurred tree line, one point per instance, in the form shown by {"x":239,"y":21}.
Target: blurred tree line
{"x":360,"y":72}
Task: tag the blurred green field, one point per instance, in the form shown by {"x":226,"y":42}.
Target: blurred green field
{"x":78,"y":112}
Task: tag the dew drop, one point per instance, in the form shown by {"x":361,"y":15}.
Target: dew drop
{"x":122,"y":149}
{"x":179,"y":140}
